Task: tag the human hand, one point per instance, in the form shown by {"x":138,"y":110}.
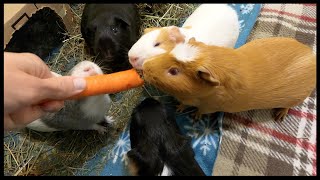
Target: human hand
{"x":28,"y":81}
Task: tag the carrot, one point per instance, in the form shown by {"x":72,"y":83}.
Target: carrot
{"x":110,"y":83}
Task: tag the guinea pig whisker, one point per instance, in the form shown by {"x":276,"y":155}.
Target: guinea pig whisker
{"x":125,"y":49}
{"x":100,"y":64}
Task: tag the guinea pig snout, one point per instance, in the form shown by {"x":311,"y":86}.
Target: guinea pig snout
{"x":148,"y":76}
{"x":106,"y":46}
{"x":134,"y":61}
{"x":87,"y":71}
{"x":90,"y":70}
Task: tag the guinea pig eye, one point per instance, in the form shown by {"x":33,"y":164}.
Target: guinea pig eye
{"x":173,"y":71}
{"x":157,"y":44}
{"x":114,"y":30}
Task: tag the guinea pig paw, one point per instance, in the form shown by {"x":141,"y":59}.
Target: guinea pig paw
{"x":280,"y":114}
{"x":109,"y":119}
{"x":101,"y":129}
{"x":181,"y":108}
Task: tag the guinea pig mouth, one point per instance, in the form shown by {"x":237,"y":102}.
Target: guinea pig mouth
{"x":149,"y":79}
{"x":107,"y":55}
{"x":154,"y":81}
{"x":140,"y":72}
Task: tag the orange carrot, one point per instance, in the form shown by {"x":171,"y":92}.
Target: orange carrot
{"x":110,"y":83}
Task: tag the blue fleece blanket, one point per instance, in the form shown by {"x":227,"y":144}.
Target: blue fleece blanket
{"x":206,"y":133}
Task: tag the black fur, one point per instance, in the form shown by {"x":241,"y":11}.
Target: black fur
{"x":43,"y":32}
{"x":156,"y":141}
{"x":109,"y":31}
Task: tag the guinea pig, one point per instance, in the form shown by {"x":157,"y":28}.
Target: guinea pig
{"x":82,"y":114}
{"x":43,"y":24}
{"x":157,"y":146}
{"x":110,"y":30}
{"x":271,"y":73}
{"x":212,"y":24}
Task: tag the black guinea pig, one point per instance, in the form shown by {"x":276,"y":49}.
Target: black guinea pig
{"x":157,"y":146}
{"x":110,"y":30}
{"x":44,"y":24}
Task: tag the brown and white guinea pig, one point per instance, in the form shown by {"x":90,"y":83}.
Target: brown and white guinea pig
{"x":82,"y":114}
{"x":262,"y":74}
{"x":212,"y":24}
{"x":157,"y":146}
{"x":110,"y":30}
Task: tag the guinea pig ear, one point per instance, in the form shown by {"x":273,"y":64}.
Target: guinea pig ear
{"x":204,"y":74}
{"x":175,"y":34}
{"x":192,"y":40}
{"x":147,"y":30}
{"x":122,"y":21}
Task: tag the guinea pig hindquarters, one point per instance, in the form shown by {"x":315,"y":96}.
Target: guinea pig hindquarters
{"x":158,"y":148}
{"x":110,"y":30}
{"x":214,"y":24}
{"x":82,"y":114}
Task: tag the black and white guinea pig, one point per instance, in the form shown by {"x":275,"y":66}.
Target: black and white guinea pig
{"x":157,"y":146}
{"x":110,"y":30}
{"x":81,"y":114}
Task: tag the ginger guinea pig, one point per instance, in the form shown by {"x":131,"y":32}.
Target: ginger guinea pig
{"x":212,"y":24}
{"x":265,"y":73}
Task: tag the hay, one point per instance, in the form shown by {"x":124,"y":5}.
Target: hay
{"x":63,"y":153}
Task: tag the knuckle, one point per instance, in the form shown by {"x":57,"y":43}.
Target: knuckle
{"x":56,"y":87}
{"x":31,"y":56}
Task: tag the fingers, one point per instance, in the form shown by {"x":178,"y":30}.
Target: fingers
{"x":22,"y":117}
{"x":52,"y":106}
{"x":8,"y":123}
{"x":31,"y":64}
{"x":60,"y":88}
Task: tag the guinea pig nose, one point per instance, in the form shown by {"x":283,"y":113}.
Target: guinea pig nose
{"x":133,"y":59}
{"x":90,"y":71}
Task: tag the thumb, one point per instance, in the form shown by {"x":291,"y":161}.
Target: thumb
{"x":60,"y":88}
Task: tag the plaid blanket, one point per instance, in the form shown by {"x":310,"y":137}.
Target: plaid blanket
{"x":254,"y":144}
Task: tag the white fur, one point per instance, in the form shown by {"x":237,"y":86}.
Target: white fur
{"x":78,"y":69}
{"x":166,"y":171}
{"x":144,"y":47}
{"x":185,"y":52}
{"x":40,"y":126}
{"x":214,"y":24}
{"x":109,"y":119}
{"x":95,"y":106}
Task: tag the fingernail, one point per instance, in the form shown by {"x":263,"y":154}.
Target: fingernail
{"x":79,"y":83}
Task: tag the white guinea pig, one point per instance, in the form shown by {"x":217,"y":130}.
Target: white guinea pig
{"x":212,"y":24}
